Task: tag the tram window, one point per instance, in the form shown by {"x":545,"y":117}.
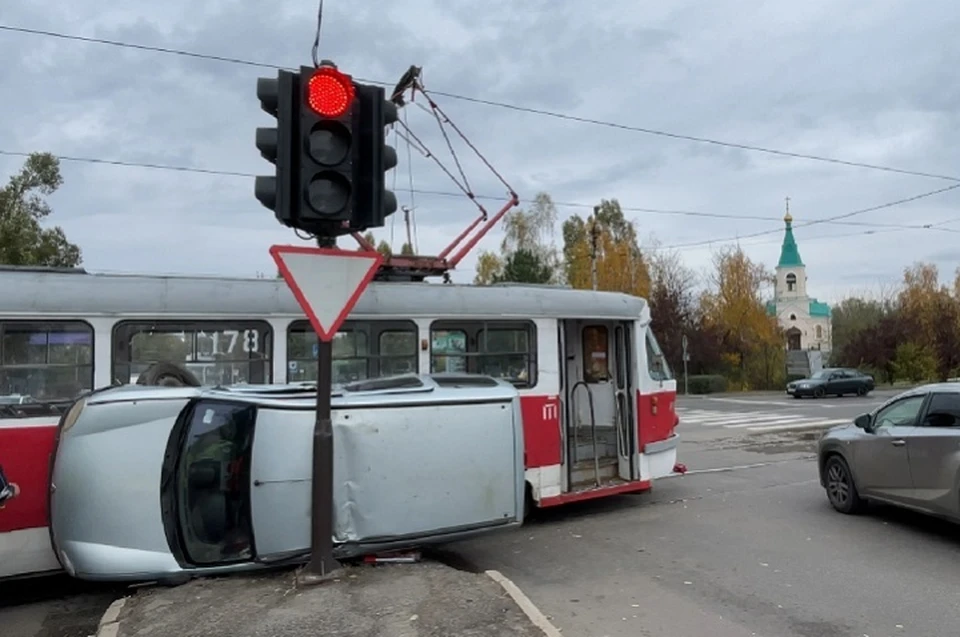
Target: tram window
{"x":217,"y":352}
{"x":502,"y":349}
{"x":361,"y":350}
{"x":596,"y":353}
{"x":653,"y":354}
{"x":45,"y":360}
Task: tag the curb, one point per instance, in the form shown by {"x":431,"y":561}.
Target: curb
{"x":110,"y":622}
{"x":528,"y":607}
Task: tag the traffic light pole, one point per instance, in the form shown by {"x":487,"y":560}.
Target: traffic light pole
{"x":322,"y":562}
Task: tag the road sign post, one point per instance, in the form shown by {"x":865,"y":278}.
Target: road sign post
{"x":327,"y":284}
{"x":686,"y":357}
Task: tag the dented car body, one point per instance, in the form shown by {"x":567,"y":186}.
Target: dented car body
{"x":168,"y":483}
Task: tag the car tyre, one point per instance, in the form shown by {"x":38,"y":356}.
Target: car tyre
{"x":818,"y":392}
{"x":841,"y":491}
{"x":861,"y":391}
{"x":166,"y":374}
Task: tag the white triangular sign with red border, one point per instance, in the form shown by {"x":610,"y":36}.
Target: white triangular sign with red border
{"x":326,"y":282}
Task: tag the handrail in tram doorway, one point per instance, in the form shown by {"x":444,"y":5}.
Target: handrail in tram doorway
{"x":593,"y":429}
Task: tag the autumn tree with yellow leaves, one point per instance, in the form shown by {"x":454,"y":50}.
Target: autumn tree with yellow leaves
{"x":602,"y":252}
{"x":733,"y":306}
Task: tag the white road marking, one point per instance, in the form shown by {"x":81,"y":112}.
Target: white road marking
{"x":755,"y":420}
{"x":528,"y":607}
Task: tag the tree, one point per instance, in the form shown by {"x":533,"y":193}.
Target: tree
{"x":750,"y":338}
{"x":608,"y":242}
{"x":527,"y":252}
{"x":851,"y":317}
{"x":524,"y":266}
{"x":489,"y":266}
{"x":23,"y":239}
{"x":383,"y":247}
{"x":673,"y":305}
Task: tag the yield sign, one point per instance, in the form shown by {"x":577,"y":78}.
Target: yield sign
{"x":326,"y":282}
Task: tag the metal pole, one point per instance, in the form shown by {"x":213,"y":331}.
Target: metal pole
{"x":594,"y":231}
{"x":322,"y":562}
{"x":686,"y":357}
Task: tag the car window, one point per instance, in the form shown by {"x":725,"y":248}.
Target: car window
{"x":902,"y":413}
{"x":944,"y":411}
{"x":213,"y":489}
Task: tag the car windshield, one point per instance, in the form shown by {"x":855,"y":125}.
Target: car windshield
{"x":821,"y":375}
{"x":213,"y":483}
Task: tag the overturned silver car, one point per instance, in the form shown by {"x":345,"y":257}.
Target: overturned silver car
{"x":167,"y":483}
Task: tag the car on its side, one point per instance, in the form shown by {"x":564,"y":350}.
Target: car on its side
{"x":169,"y":483}
{"x":836,"y":381}
{"x":906,"y":453}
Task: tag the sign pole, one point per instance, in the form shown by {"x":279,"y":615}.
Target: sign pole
{"x":322,"y":562}
{"x":326,"y":282}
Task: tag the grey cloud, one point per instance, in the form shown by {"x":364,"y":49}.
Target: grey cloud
{"x":872,"y":83}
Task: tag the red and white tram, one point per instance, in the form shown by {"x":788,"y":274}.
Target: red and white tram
{"x":597,"y":395}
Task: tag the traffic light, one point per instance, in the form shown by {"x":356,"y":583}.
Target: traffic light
{"x":374,"y":202}
{"x":330,"y":151}
{"x":277,"y":97}
{"x":327,"y":151}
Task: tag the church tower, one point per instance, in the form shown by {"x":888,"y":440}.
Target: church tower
{"x":791,"y":272}
{"x":805,"y":320}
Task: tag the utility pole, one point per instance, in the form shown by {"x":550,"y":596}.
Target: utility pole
{"x":594,"y":236}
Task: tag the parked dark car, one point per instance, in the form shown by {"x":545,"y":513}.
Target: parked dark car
{"x":832,"y":380}
{"x":902,"y":453}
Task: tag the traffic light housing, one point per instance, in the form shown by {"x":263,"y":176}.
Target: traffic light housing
{"x":327,"y":151}
{"x":374,"y":201}
{"x":277,"y":97}
{"x":330,"y":151}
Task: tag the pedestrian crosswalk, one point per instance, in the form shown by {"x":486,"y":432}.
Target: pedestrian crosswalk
{"x":771,"y":421}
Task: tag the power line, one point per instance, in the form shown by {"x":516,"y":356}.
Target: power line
{"x":497,"y":104}
{"x":559,"y":204}
{"x":889,"y":204}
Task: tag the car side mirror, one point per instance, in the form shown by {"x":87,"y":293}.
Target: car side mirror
{"x":862,"y":421}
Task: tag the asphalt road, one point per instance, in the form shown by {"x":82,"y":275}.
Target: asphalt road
{"x":53,"y":607}
{"x":744,"y":545}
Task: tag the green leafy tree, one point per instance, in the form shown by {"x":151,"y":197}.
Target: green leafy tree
{"x":23,"y":207}
{"x":524,"y":266}
{"x":915,"y":362}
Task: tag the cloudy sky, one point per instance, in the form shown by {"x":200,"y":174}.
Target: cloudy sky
{"x":870,"y":82}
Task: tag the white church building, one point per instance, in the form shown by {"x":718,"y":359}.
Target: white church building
{"x":804,"y":319}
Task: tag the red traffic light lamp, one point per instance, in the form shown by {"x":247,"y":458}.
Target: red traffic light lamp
{"x":330,"y":93}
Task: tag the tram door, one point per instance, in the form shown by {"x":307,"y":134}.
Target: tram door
{"x":599,"y":417}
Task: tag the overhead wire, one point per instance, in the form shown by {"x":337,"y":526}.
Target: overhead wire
{"x":561,"y":204}
{"x":496,"y":104}
{"x":542,"y":112}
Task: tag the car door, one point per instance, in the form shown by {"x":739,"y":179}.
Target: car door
{"x":934,"y":450}
{"x":881,"y":460}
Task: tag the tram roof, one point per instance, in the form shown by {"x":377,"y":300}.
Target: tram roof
{"x":38,"y":292}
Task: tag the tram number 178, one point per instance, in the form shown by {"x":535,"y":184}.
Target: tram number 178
{"x":224,"y":342}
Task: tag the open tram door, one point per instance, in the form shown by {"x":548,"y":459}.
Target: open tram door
{"x":597,"y":382}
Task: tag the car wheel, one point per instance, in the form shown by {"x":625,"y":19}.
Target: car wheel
{"x":841,"y":491}
{"x":797,"y":396}
{"x":861,"y":391}
{"x":818,"y":392}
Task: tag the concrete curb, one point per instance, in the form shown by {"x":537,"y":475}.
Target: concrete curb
{"x":109,"y":623}
{"x":528,"y":607}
